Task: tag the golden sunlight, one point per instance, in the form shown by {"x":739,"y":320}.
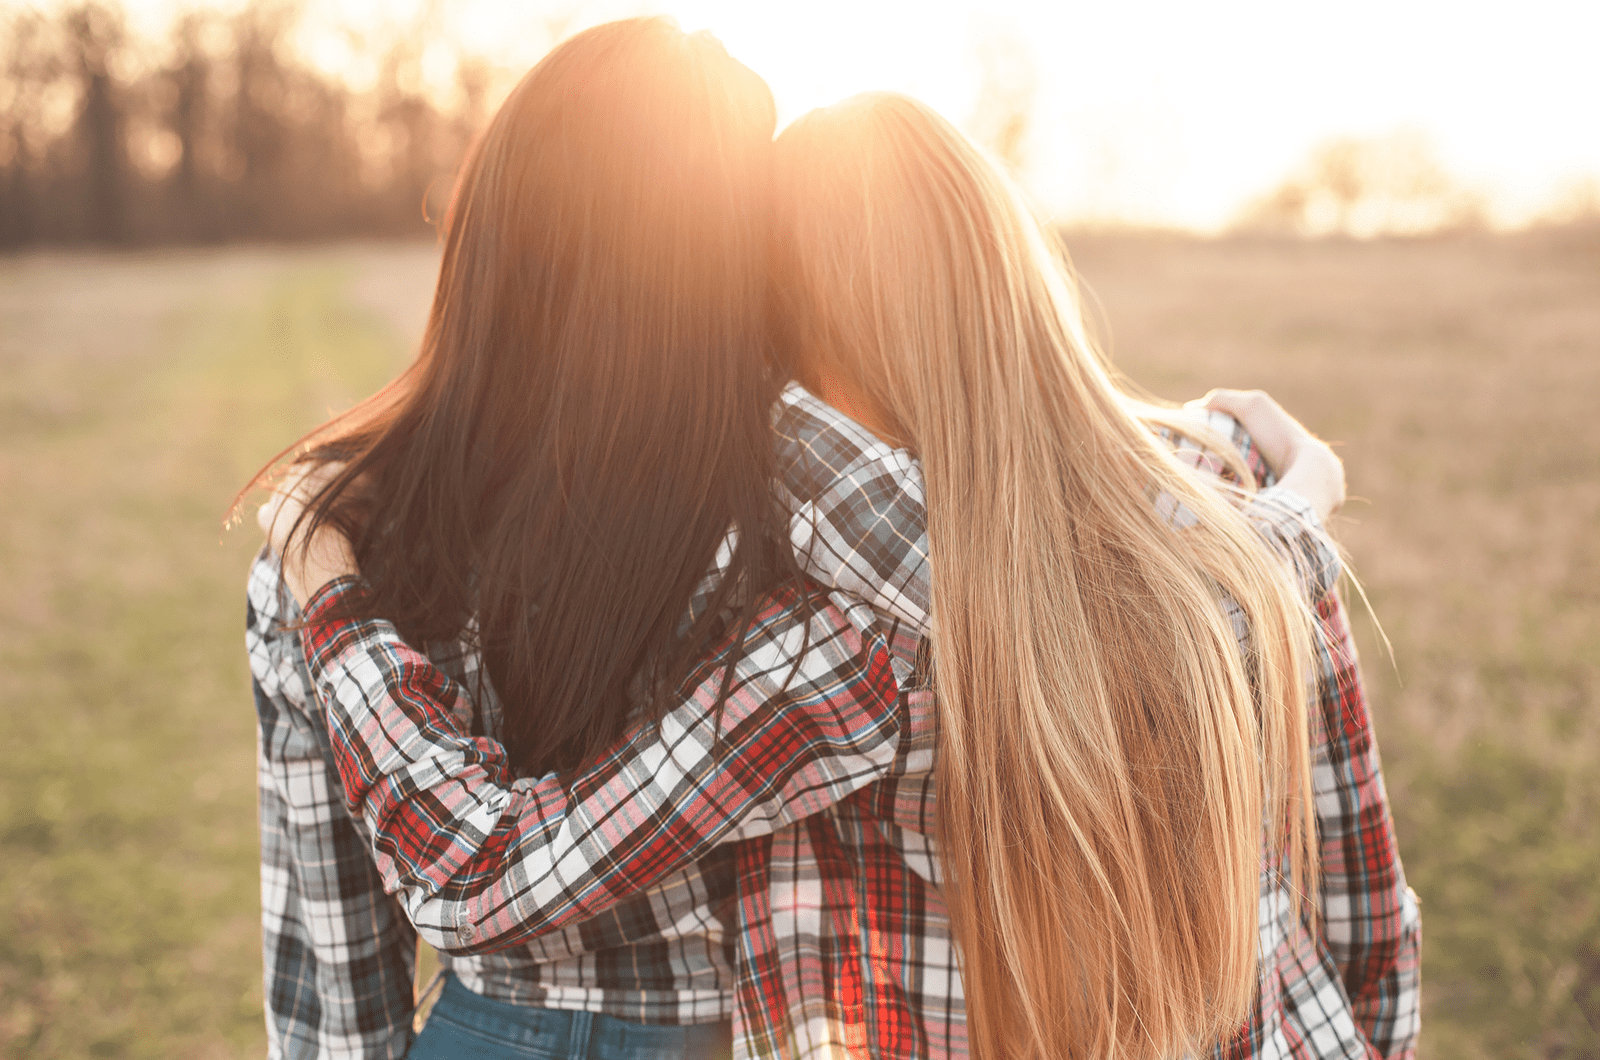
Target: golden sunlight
{"x":1151,"y":112}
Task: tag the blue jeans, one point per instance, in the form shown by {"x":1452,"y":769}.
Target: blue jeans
{"x":468,"y":1026}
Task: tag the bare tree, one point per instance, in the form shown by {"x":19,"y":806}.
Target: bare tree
{"x":225,"y":132}
{"x":410,"y":119}
{"x":31,"y":68}
{"x":259,"y":132}
{"x":188,"y":77}
{"x":1387,"y":185}
{"x":95,"y":35}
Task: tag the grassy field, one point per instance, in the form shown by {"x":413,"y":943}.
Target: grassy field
{"x":1462,"y":377}
{"x":137,"y":393}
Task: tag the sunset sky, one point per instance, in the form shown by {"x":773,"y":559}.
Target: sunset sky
{"x":1145,"y":111}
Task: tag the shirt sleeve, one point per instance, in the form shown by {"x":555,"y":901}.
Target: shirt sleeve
{"x":858,"y":515}
{"x":1371,"y":921}
{"x":859,"y":523}
{"x":482,"y":860}
{"x":337,"y":953}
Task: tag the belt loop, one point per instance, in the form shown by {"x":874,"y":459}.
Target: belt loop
{"x":582,"y":1031}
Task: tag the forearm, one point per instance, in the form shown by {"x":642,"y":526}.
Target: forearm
{"x":1283,"y":516}
{"x":1289,"y":524}
{"x":482,"y":860}
{"x":859,"y":515}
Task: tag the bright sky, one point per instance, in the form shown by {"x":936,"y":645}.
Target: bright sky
{"x":1151,"y":111}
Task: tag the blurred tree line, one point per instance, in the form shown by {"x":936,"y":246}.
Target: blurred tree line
{"x":1379,"y":186}
{"x":220,"y":131}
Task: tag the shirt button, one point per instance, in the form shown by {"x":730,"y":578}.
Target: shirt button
{"x":466,"y":932}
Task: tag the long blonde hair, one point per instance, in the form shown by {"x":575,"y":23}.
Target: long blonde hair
{"x":1108,"y":758}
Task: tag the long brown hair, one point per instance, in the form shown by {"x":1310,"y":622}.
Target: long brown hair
{"x":1108,"y":757}
{"x":588,"y":414}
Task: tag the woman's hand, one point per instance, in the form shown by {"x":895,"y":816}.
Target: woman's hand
{"x":1303,"y":462}
{"x":308,"y":565}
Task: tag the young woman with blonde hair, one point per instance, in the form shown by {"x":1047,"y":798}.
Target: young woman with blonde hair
{"x":1127,"y":828}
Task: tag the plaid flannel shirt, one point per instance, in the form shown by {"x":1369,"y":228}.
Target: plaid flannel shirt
{"x":455,"y":839}
{"x":1348,"y":990}
{"x":338,"y":951}
{"x":496,"y":868}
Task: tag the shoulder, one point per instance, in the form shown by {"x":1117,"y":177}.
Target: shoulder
{"x":816,"y":444}
{"x":1214,"y":443}
{"x":270,"y":603}
{"x":272,"y":642}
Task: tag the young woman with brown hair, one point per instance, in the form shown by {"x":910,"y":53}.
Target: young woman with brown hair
{"x":538,"y":499}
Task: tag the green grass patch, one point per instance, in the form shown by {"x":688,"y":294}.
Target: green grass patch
{"x":127,"y":800}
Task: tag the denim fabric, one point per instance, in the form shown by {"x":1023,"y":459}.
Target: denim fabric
{"x":467,"y":1026}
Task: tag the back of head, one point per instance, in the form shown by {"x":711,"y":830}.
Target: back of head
{"x":589,"y":412}
{"x":1107,"y":756}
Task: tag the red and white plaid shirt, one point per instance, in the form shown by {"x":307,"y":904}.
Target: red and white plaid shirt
{"x":864,"y":973}
{"x":820,"y":774}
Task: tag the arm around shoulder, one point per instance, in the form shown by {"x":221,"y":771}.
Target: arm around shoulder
{"x":482,"y":859}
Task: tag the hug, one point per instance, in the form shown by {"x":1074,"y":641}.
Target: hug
{"x":761,"y":623}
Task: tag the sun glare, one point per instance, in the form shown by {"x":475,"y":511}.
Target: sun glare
{"x":836,"y":49}
{"x":1145,"y":111}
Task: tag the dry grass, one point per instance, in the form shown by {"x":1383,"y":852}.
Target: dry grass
{"x":136,"y":395}
{"x":137,"y":392}
{"x":1462,"y":377}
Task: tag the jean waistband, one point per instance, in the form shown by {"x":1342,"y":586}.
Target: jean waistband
{"x":577,"y":1034}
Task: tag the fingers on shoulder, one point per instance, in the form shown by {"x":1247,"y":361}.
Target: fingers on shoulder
{"x":1240,"y":403}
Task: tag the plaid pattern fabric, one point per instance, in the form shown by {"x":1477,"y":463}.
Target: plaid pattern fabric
{"x":858,"y":505}
{"x":338,"y":952}
{"x":483,"y":860}
{"x":1350,"y":990}
{"x":842,"y":940}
